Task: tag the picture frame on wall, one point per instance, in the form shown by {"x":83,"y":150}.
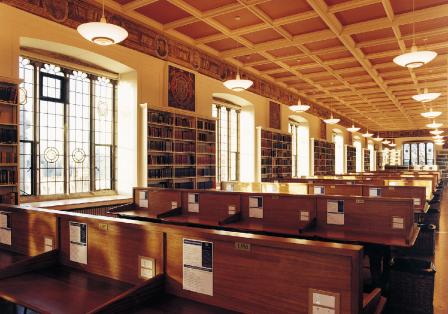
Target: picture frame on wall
{"x":274,"y":115}
{"x":181,"y":89}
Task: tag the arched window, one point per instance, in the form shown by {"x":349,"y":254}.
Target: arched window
{"x":358,"y":146}
{"x":338,"y":140}
{"x":299,"y":129}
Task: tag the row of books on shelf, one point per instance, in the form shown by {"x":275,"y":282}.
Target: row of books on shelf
{"x":185,"y":147}
{"x":185,"y":172}
{"x":184,"y":121}
{"x":160,"y":117}
{"x":8,"y":135}
{"x":209,"y":184}
{"x":184,"y":159}
{"x":160,"y":173}
{"x":206,"y":148}
{"x":8,"y":176}
{"x":266,"y":161}
{"x":185,"y":135}
{"x":8,"y":157}
{"x":282,"y":162}
{"x":160,"y":132}
{"x":166,"y":146}
{"x":160,"y":159}
{"x":266,"y":151}
{"x":283,"y":170}
{"x":206,"y":125}
{"x":9,"y":198}
{"x":266,"y":170}
{"x":277,"y":137}
{"x":206,"y":137}
{"x":266,"y":134}
{"x":206,"y":160}
{"x":8,"y":93}
{"x":266,"y":143}
{"x":281,"y":153}
{"x":281,"y":145}
{"x":210,"y":171}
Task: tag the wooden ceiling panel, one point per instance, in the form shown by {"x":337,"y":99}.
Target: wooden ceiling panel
{"x":304,"y":27}
{"x":336,"y":52}
{"x":206,"y":5}
{"x":262,"y":36}
{"x":287,"y":8}
{"x":224,"y":44}
{"x":162,"y":11}
{"x":406,"y":6}
{"x":197,"y":30}
{"x":284,"y":52}
{"x":361,"y":14}
{"x":238,"y":19}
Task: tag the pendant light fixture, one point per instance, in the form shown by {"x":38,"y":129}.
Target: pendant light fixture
{"x":353,"y":128}
{"x":238,"y":85}
{"x":331,"y":120}
{"x":430,"y":114}
{"x":439,"y":142}
{"x":437,"y":137}
{"x":102,"y":33}
{"x":392,"y":144}
{"x":378,"y":138}
{"x":436,"y":132}
{"x":367,"y":134}
{"x":299,"y":107}
{"x":434,"y":125}
{"x":426,"y":96}
{"x":416,"y":58}
{"x":385,"y":142}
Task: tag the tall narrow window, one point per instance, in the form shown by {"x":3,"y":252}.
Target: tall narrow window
{"x":338,"y":140}
{"x":300,"y":148}
{"x":227,"y":149}
{"x":67,"y":123}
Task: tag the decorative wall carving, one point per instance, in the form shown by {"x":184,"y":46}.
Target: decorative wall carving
{"x":142,"y":38}
{"x":181,"y":89}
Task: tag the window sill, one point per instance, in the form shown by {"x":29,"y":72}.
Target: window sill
{"x":70,"y":202}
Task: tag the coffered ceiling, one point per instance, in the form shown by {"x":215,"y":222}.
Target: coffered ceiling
{"x":336,"y":53}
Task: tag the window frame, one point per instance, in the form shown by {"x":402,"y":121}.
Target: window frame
{"x":417,"y":144}
{"x":35,"y":141}
{"x":228,"y":107}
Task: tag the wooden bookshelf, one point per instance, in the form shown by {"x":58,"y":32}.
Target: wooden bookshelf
{"x":322,"y":157}
{"x":9,"y":140}
{"x":274,"y":154}
{"x":181,"y":149}
{"x":366,"y":160}
{"x":350,"y":155}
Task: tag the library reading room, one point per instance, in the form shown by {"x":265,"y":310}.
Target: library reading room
{"x":223,"y":156}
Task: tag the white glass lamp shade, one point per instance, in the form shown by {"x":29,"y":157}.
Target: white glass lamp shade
{"x":332,"y":120}
{"x":415,"y":58}
{"x":238,"y":85}
{"x":392,"y":144}
{"x":367,"y":134}
{"x":102,"y":33}
{"x":353,"y":129}
{"x":436,"y":132}
{"x":378,"y":138}
{"x":439,"y":143}
{"x":426,"y":96}
{"x":434,"y":125}
{"x":437,"y":137}
{"x":431,"y":114}
{"x":299,"y":107}
{"x":386,"y":142}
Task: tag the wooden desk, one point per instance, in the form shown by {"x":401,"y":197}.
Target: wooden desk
{"x":170,"y":304}
{"x":60,"y":290}
{"x":138,"y":214}
{"x":7,"y":258}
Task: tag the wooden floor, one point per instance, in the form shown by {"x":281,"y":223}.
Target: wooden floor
{"x":441,"y":260}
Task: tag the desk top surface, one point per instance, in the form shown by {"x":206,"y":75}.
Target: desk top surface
{"x":137,"y":213}
{"x":8,"y":258}
{"x":61,"y":290}
{"x":169,"y":304}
